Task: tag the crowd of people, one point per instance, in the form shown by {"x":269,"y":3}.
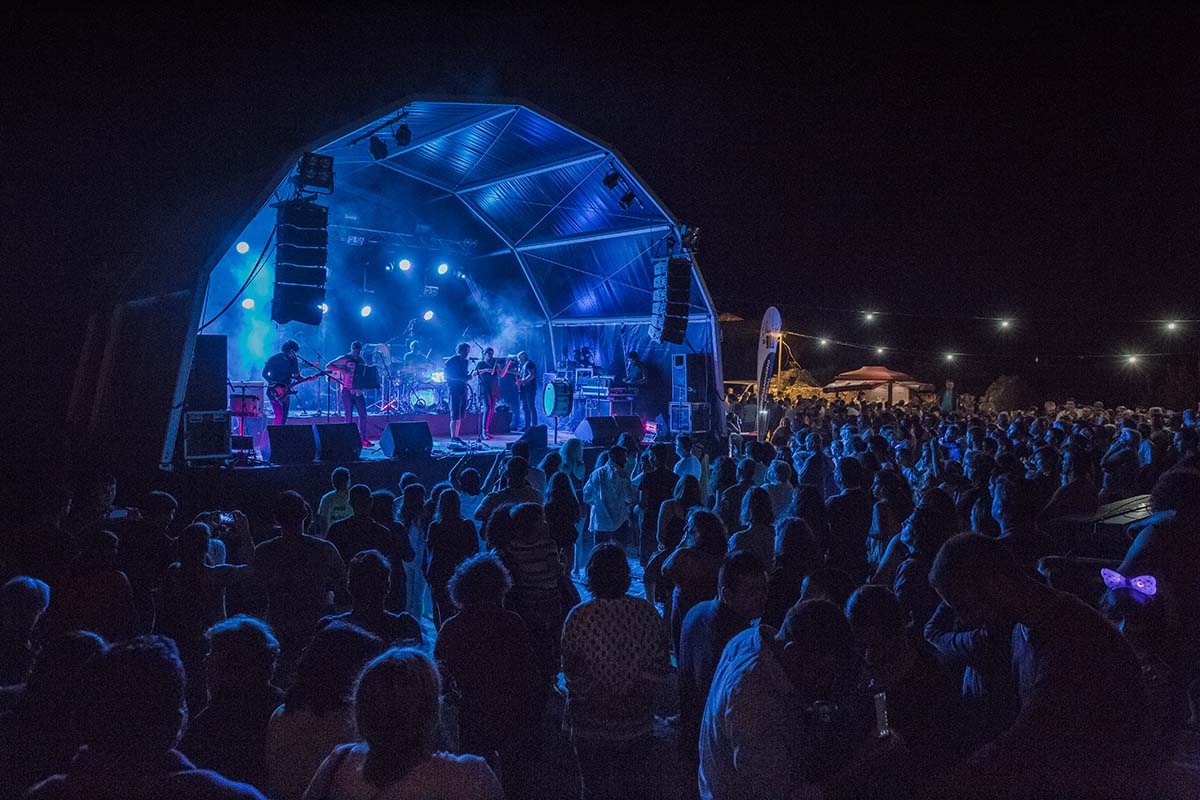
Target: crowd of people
{"x":871,"y":602}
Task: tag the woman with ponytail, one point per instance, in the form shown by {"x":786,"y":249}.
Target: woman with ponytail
{"x":396,"y":706}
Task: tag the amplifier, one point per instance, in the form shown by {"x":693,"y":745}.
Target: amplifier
{"x":690,"y":418}
{"x":206,"y":436}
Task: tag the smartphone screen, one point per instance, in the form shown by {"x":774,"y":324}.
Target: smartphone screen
{"x":118,"y":513}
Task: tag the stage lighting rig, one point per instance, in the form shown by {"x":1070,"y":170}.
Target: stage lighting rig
{"x":403,"y":135}
{"x":628,"y":199}
{"x":314,"y":173}
{"x":612,"y":178}
{"x":378,"y":148}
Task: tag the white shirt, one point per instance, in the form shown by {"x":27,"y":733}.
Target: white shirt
{"x":610,"y":494}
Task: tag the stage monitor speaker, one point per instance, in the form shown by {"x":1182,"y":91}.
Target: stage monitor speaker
{"x":689,"y":378}
{"x":406,"y":439}
{"x":206,"y":381}
{"x":206,"y":435}
{"x":338,"y":441}
{"x":538,"y":440}
{"x":292,"y":444}
{"x":632,"y":425}
{"x":598,"y":431}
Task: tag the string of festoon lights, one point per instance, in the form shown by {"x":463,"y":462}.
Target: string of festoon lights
{"x":1171,"y":326}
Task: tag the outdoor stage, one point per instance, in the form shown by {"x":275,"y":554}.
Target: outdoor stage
{"x":250,"y":484}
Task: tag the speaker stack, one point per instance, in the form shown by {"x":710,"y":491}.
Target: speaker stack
{"x":690,"y":393}
{"x":669,"y":309}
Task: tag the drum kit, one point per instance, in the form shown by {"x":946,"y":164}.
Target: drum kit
{"x":410,"y":389}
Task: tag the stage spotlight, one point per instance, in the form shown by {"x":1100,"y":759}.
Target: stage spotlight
{"x":869,"y":316}
{"x":324,"y":308}
{"x":878,"y":351}
{"x":1131,"y":359}
{"x":627,"y":200}
{"x":387,"y":268}
{"x":1005,"y":324}
{"x":823,"y":342}
{"x":949,"y":356}
{"x":378,"y":148}
{"x":461,"y":274}
{"x":366,"y":311}
{"x":243,"y":247}
{"x":1172,"y":326}
{"x":405,"y":265}
{"x":428,"y":315}
{"x":611,"y":179}
{"x":403,"y":135}
{"x":443,"y":269}
{"x":248,"y":303}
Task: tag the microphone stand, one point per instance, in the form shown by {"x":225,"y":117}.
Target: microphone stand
{"x":331,"y":379}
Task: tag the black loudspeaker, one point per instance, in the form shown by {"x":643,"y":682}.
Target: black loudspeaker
{"x":292,"y":444}
{"x":689,"y":378}
{"x":538,"y":439}
{"x":406,"y":439}
{"x":206,"y":381}
{"x":669,"y":301}
{"x":598,"y":431}
{"x":338,"y":441}
{"x":302,"y":240}
{"x":631,"y":425}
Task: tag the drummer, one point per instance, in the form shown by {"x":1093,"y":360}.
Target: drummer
{"x":414,"y":357}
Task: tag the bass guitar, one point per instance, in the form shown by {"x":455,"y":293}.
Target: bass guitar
{"x":279,"y":391}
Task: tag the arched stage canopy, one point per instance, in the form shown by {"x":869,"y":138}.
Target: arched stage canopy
{"x":553,"y":226}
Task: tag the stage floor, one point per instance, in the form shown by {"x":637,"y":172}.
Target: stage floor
{"x":439,"y":429}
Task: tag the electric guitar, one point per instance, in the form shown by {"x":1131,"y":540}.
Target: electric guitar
{"x":281,"y":390}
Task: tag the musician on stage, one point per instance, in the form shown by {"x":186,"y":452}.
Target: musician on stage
{"x":457,"y":370}
{"x":349,"y":368}
{"x":414,"y":357}
{"x":635,"y":370}
{"x":490,"y":372}
{"x":527,"y":377}
{"x":282,"y":370}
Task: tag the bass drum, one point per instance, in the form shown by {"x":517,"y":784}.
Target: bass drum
{"x":557,"y":399}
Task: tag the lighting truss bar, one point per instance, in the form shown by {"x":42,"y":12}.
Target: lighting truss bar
{"x":450,"y":130}
{"x":595,"y":237}
{"x":532,"y":171}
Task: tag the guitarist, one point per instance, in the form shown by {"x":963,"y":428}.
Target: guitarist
{"x":281,"y":371}
{"x":349,"y":369}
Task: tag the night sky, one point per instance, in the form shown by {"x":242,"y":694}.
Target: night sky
{"x":961,"y":163}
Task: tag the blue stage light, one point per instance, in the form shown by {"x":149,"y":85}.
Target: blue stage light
{"x":428,"y":315}
{"x":248,"y":303}
{"x":366,"y":311}
{"x":443,"y":269}
{"x":324,"y":308}
{"x":405,"y":265}
{"x":243,"y":247}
